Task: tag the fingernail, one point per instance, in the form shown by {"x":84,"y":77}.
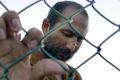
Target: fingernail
{"x":2,"y":34}
{"x":16,"y":25}
{"x":32,"y":44}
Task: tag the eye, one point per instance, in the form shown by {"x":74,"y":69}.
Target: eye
{"x":68,"y":33}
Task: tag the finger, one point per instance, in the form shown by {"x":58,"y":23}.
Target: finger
{"x":12,"y":23}
{"x":2,"y":29}
{"x":10,"y":50}
{"x":31,"y":39}
{"x":18,"y":47}
{"x":5,"y":47}
{"x":47,"y":67}
{"x":6,"y":59}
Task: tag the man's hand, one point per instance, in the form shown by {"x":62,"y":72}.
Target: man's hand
{"x":12,"y":47}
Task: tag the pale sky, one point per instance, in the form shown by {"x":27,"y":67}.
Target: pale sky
{"x":99,"y":29}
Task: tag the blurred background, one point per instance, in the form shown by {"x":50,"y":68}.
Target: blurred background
{"x":99,"y":30}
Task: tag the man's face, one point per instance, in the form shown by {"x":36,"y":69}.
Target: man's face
{"x":63,"y":43}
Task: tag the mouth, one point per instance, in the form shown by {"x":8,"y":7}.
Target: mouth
{"x":60,"y":53}
{"x":63,"y":56}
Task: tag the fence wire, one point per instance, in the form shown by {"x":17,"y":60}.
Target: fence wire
{"x":68,"y":21}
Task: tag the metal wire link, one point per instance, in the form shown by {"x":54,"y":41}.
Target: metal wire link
{"x":68,"y":21}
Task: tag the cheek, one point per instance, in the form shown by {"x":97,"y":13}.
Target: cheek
{"x":57,"y":40}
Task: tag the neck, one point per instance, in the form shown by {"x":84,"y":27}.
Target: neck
{"x":35,"y":57}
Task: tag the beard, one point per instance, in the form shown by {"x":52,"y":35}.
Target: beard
{"x":58,"y":52}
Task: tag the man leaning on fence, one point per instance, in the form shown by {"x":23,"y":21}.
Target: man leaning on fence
{"x":62,"y":44}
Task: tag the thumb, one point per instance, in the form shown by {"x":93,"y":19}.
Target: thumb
{"x":32,"y":37}
{"x":47,"y":67}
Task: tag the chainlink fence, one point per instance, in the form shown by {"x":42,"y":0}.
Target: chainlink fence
{"x":68,"y":21}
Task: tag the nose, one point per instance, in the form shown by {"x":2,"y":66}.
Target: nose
{"x":72,"y":44}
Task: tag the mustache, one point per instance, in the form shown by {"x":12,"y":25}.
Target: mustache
{"x":59,"y":53}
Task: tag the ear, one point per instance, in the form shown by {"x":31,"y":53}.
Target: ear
{"x":45,"y":25}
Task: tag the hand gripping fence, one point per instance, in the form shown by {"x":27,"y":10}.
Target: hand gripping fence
{"x":68,"y":21}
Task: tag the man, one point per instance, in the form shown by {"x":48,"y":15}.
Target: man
{"x":62,"y":44}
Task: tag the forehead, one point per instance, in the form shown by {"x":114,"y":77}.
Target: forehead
{"x":79,"y":21}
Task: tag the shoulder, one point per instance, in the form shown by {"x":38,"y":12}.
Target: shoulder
{"x":77,"y":76}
